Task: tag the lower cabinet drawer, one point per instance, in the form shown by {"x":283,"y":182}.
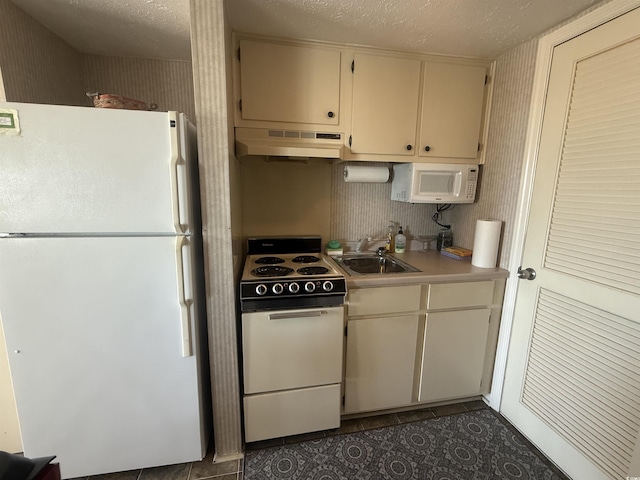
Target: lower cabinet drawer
{"x":460,"y":295}
{"x":383,"y":300}
{"x":291,"y":412}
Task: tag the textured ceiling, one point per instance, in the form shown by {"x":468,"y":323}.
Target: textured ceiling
{"x":475,"y":28}
{"x":160,"y":28}
{"x":126,"y":28}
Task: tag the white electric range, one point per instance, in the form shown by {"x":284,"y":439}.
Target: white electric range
{"x":292,"y":338}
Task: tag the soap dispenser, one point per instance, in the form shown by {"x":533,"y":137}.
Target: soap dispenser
{"x":401,"y":241}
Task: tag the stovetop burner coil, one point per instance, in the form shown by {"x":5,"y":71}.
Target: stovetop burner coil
{"x":269,"y":260}
{"x":271,"y":271}
{"x":306,"y":259}
{"x":312,"y":270}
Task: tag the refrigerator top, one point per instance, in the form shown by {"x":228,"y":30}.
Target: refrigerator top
{"x":84,"y":171}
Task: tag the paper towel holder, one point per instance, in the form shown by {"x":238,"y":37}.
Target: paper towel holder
{"x":366,"y":174}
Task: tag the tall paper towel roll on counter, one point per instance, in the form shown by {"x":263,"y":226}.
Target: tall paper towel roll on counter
{"x":486,"y":243}
{"x":366,"y":174}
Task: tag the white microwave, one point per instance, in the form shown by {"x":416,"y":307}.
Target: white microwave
{"x":434,"y":183}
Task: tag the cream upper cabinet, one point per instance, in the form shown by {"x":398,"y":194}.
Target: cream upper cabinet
{"x":289,"y":83}
{"x":451,"y":111}
{"x":384,"y":104}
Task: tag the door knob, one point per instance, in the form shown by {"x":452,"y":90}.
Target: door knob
{"x":527,"y":273}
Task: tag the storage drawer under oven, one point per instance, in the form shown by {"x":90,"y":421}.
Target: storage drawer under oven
{"x":280,"y":414}
{"x":292,"y":348}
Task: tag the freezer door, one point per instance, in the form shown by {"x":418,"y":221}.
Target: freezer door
{"x":92,"y":170}
{"x":95,"y":330}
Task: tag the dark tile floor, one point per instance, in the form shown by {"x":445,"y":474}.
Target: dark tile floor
{"x":368,"y":423}
{"x":233,"y":470}
{"x":204,"y":469}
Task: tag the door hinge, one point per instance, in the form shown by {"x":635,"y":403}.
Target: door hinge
{"x":238,"y":53}
{"x":486,"y":79}
{"x":343,"y":401}
{"x":350,"y":138}
{"x":353,"y":65}
{"x":240,"y":104}
{"x":346,"y":330}
{"x":479,"y":146}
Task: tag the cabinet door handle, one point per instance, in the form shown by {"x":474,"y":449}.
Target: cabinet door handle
{"x":330,"y":114}
{"x":409,"y":147}
{"x":427,"y":148}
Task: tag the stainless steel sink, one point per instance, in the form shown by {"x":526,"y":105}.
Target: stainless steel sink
{"x":363,"y":264}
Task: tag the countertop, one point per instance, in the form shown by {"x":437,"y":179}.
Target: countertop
{"x":433,"y":268}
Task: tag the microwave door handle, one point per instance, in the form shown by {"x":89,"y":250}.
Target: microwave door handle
{"x":457,"y":184}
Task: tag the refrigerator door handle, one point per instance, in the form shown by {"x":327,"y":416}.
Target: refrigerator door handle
{"x":179,"y":180}
{"x":185,"y":293}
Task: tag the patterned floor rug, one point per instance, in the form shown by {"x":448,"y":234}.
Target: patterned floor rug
{"x":473,"y":445}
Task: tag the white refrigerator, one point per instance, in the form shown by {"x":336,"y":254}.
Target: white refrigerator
{"x":100,"y":286}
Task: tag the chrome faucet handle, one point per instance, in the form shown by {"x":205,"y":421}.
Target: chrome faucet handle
{"x":361,"y":242}
{"x":381,"y":251}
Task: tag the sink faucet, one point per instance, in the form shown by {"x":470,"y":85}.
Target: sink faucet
{"x":381,"y":251}
{"x":361,"y":243}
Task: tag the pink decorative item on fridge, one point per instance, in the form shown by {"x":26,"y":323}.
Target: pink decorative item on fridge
{"x":107,"y":100}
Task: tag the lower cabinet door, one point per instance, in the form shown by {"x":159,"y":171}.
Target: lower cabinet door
{"x":453,"y":354}
{"x":290,"y":412}
{"x":380,"y":362}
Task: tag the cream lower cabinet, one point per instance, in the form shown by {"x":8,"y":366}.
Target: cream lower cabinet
{"x":453,"y":354}
{"x":381,"y":347}
{"x":458,"y":345}
{"x":380,"y":361}
{"x":414,"y":344}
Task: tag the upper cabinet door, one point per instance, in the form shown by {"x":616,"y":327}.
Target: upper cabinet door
{"x":385,"y":104}
{"x":452,"y":101}
{"x":287,"y":83}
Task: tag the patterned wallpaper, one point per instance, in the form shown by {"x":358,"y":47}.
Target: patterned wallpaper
{"x":167,"y":83}
{"x":220,"y":216}
{"x":497,"y":195}
{"x":37,"y":66}
{"x":359,"y":209}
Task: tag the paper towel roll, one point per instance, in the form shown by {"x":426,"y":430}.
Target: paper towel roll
{"x":486,"y":243}
{"x":366,"y":174}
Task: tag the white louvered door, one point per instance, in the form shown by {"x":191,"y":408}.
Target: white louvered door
{"x":572,"y":383}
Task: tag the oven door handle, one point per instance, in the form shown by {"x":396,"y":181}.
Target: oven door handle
{"x":282,"y":316}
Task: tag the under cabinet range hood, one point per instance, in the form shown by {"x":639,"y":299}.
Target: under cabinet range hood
{"x":288,"y":143}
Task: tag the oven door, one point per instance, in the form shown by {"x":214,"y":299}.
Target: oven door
{"x":292,"y":349}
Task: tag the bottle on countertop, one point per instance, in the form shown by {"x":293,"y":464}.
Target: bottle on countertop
{"x":389,"y":244}
{"x":445,"y":239}
{"x":401,"y":241}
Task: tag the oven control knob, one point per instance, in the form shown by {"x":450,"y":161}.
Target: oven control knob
{"x":327,"y":286}
{"x":261,"y":289}
{"x":310,"y":287}
{"x":294,"y":287}
{"x":278,"y":288}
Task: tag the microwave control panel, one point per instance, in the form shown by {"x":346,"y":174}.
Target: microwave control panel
{"x":472,"y":182}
